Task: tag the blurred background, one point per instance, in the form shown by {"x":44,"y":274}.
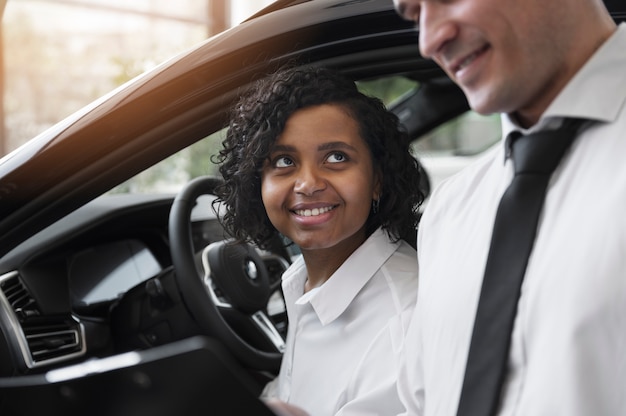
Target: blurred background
{"x":57,"y":56}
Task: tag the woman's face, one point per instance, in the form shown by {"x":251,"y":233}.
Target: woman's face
{"x":319,"y":181}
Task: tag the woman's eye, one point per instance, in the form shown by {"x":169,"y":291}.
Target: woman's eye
{"x":283,"y":162}
{"x":336,"y":157}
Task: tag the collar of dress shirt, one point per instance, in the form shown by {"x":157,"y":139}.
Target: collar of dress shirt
{"x":332,"y":298}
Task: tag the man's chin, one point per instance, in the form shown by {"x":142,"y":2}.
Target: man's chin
{"x":483,"y":101}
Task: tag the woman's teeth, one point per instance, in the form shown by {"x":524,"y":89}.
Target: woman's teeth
{"x":312,"y":212}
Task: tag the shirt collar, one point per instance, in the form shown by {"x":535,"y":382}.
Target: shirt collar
{"x":332,"y":298}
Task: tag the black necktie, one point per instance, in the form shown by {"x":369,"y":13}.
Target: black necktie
{"x":535,"y":157}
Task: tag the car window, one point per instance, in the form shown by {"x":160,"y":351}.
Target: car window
{"x":456,"y":144}
{"x":388,"y":89}
{"x":466,"y":135}
{"x":171,"y":174}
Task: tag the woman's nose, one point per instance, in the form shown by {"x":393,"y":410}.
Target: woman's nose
{"x":309,"y":180}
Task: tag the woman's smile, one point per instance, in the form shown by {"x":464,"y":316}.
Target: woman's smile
{"x":312,"y":212}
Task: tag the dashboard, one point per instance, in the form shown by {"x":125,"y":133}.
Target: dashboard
{"x":101,"y":273}
{"x":90,"y":284}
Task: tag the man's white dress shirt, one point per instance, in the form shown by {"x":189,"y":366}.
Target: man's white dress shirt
{"x":568,"y":353}
{"x":344,"y":338}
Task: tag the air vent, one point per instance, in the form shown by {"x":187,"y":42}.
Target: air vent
{"x":42,"y":340}
{"x":52,"y":340}
{"x":19,"y":299}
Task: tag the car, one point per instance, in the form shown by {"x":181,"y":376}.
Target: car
{"x":119,"y":291}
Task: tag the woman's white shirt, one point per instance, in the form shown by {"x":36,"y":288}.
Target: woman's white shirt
{"x":345,"y":337}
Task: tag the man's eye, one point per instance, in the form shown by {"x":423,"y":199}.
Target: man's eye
{"x":336,"y":157}
{"x":283,"y":162}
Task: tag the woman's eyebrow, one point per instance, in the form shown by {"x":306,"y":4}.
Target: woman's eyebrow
{"x":335,"y":145}
{"x":323,"y":146}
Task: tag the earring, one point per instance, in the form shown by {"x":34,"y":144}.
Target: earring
{"x":375,"y":205}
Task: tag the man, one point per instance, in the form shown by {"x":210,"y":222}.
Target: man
{"x":534,"y":61}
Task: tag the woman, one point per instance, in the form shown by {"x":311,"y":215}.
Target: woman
{"x":309,"y":157}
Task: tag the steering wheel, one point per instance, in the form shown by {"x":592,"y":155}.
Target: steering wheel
{"x":232,"y":279}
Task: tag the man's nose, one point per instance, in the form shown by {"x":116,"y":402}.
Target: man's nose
{"x":437,"y":27}
{"x":433,"y":21}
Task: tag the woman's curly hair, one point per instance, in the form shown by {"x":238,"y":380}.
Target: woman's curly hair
{"x":258,"y":119}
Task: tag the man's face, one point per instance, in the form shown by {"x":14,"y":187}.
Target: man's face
{"x":504,"y":54}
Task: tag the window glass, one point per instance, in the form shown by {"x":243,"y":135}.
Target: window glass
{"x":456,"y":144}
{"x":388,"y":89}
{"x":466,"y":135}
{"x":171,"y":174}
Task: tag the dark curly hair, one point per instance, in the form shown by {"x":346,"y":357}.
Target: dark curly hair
{"x":258,"y":119}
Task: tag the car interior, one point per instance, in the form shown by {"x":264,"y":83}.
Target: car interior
{"x":107,"y":285}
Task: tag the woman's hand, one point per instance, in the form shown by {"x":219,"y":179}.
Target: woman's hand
{"x":284,"y":409}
